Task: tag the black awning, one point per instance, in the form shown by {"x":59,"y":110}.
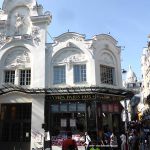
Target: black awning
{"x":68,"y":90}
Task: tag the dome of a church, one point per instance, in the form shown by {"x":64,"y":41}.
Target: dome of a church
{"x":131,"y":77}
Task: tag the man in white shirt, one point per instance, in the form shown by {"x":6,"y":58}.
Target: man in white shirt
{"x":87,"y":140}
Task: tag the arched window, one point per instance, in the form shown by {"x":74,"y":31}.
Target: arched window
{"x":16,"y":66}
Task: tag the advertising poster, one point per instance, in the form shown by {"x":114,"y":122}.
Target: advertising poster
{"x":63,"y":122}
{"x":72,"y":122}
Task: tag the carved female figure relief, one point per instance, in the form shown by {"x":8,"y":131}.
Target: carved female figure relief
{"x":19,"y":23}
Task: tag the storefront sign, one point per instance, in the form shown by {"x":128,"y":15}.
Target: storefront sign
{"x":85,"y":97}
{"x":73,"y":97}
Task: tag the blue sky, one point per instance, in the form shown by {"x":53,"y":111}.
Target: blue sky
{"x":128,"y":21}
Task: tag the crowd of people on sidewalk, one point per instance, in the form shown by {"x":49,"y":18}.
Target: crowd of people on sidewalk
{"x":133,"y":140}
{"x":70,"y":144}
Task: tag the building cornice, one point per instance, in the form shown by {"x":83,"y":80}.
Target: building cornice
{"x":41,"y":19}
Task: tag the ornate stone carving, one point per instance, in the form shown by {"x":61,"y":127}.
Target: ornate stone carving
{"x":6,"y":39}
{"x":35,"y":34}
{"x":75,"y":58}
{"x":17,"y":58}
{"x":2,"y":39}
{"x":107,"y":59}
{"x":77,"y":38}
{"x":69,"y":58}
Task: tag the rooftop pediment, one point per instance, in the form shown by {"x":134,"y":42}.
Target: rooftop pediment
{"x":105,"y":37}
{"x":69,"y":35}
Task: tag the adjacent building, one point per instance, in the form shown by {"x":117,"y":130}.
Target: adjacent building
{"x":135,"y":104}
{"x":72,"y":84}
{"x":145,"y":63}
{"x":145,"y":66}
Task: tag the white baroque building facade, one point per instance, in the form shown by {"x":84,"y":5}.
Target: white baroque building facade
{"x":70,"y":49}
{"x":30,"y":67}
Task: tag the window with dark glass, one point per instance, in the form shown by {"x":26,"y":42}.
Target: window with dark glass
{"x":10,"y":76}
{"x":79,"y":73}
{"x":55,"y":108}
{"x":72,"y":107}
{"x":107,"y":75}
{"x":25,"y":77}
{"x":59,"y":74}
{"x":81,"y":107}
{"x":64,"y":107}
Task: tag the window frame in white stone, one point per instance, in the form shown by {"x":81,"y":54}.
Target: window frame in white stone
{"x":10,"y":76}
{"x":81,"y":76}
{"x":26,"y":78}
{"x":61,"y":77}
{"x":107,"y":77}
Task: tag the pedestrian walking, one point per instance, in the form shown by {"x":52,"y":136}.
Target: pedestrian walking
{"x":113,"y":141}
{"x":69,"y":143}
{"x":123,"y":141}
{"x":87,"y":141}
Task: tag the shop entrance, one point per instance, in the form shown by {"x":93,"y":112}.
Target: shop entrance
{"x":15,"y":126}
{"x":67,"y":116}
